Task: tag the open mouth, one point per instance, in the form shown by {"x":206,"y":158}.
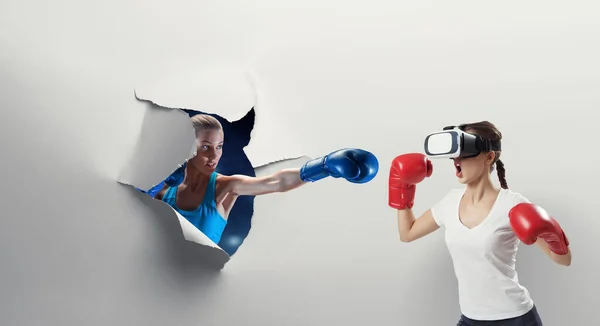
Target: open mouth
{"x":211,"y":165}
{"x":458,"y":168}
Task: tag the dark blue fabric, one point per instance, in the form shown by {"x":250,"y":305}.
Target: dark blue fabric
{"x":532,"y":318}
{"x":233,"y":161}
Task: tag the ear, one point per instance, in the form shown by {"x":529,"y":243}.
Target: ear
{"x":489,"y":158}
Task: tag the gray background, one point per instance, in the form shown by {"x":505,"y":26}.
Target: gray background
{"x":77,"y":248}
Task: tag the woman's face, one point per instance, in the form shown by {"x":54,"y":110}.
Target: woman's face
{"x":472,"y":169}
{"x":209,"y":148}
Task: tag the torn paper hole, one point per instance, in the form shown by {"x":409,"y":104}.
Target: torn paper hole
{"x":273,"y":143}
{"x":182,"y":242}
{"x":166,"y":141}
{"x":226,"y":88}
{"x":208,"y":216}
{"x":218,"y":151}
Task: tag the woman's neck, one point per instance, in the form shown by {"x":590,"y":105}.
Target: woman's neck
{"x":194,"y":178}
{"x":477,"y":190}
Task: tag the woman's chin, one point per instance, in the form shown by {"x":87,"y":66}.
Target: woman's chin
{"x":205,"y":169}
{"x":210,"y":168}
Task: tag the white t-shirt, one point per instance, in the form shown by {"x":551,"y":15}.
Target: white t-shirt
{"x":484,"y":258}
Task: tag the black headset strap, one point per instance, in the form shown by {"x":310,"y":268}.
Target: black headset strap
{"x":490,"y":145}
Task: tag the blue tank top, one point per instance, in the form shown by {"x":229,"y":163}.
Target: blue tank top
{"x":206,"y":217}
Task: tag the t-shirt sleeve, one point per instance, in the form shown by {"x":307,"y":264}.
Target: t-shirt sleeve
{"x":520,"y":199}
{"x":441,"y":209}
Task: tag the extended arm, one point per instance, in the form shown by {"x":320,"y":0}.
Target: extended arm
{"x":281,"y":181}
{"x":354,"y":165}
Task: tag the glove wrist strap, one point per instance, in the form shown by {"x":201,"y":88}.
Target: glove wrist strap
{"x":562,"y":246}
{"x":402,"y":206}
{"x":314,"y":170}
{"x":403,"y":197}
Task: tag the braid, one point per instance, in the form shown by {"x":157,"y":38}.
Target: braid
{"x":501,"y":174}
{"x":488,"y":131}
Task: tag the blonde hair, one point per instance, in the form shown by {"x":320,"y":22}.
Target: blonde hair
{"x":203,"y":122}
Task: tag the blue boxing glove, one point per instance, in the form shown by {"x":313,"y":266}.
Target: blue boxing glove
{"x":354,"y":165}
{"x":176,"y":178}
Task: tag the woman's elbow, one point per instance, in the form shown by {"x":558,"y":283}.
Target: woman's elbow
{"x":565,"y":263}
{"x":406,"y":238}
{"x":280,"y":186}
{"x":564,"y":260}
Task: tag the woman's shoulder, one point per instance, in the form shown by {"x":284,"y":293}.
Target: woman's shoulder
{"x":514,"y":196}
{"x":224,"y":181}
{"x":161,"y":194}
{"x":229,"y":178}
{"x":221,"y":178}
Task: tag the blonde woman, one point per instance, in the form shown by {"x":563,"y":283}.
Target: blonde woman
{"x":205,"y":198}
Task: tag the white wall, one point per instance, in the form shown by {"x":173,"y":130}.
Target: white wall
{"x":77,"y":248}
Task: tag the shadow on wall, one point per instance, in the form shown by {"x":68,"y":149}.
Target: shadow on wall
{"x":233,"y":161}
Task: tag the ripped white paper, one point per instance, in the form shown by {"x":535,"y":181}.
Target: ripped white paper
{"x":191,"y":233}
{"x":167,"y":137}
{"x":272,"y":140}
{"x":223,"y":88}
{"x":166,"y":140}
{"x":228,"y":89}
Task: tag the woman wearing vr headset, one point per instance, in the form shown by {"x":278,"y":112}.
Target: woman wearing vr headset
{"x":483,"y":224}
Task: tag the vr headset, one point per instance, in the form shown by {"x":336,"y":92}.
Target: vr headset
{"x":454,"y":142}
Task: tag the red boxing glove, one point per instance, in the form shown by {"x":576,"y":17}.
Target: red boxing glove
{"x":407,"y":170}
{"x":530,"y":222}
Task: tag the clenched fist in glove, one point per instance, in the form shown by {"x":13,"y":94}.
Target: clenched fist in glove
{"x":353,"y":164}
{"x":407,"y":170}
{"x":530,"y":222}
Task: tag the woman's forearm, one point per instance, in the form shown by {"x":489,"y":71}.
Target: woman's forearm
{"x":406,"y":220}
{"x":288,"y":179}
{"x":564,"y":260}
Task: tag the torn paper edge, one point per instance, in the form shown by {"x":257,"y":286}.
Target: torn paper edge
{"x":160,"y":106}
{"x":190,"y":232}
{"x":231,"y":116}
{"x":128,"y":174}
{"x":262,"y":161}
{"x":253,"y":150}
{"x":262,"y":166}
